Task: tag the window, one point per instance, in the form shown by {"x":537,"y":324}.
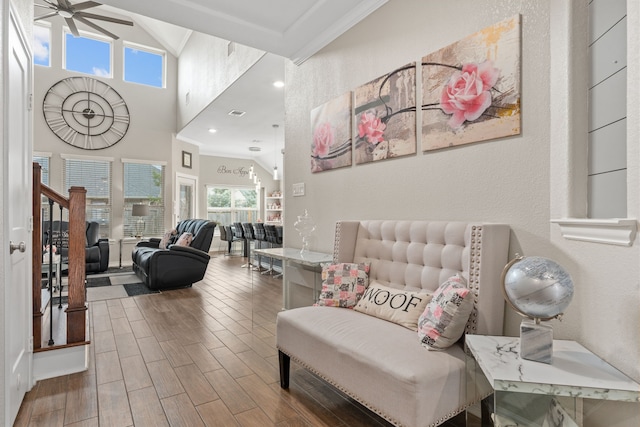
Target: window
{"x":144,"y":65}
{"x":227,"y":205}
{"x":144,"y":183}
{"x":95,"y":177}
{"x":42,"y":45}
{"x":89,"y":55}
{"x":44,"y":162}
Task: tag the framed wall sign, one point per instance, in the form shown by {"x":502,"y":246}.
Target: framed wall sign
{"x":186,"y":159}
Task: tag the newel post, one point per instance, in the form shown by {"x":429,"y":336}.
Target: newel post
{"x":76,"y":311}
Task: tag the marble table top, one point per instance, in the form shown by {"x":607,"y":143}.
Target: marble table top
{"x":574,"y":370}
{"x":309,"y":258}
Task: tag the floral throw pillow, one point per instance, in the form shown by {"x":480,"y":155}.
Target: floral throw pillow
{"x":343,"y":284}
{"x":185,"y":239}
{"x":445,"y":317}
{"x":167,"y":238}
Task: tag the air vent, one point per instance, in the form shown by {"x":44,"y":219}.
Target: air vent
{"x":237,"y":113}
{"x":255,"y":149}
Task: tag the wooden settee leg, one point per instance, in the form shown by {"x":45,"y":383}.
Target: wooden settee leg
{"x":285,"y":363}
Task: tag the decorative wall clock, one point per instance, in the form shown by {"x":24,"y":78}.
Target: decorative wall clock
{"x":86,"y":113}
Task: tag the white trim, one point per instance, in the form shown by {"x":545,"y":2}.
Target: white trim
{"x":145,"y":162}
{"x":81,"y":157}
{"x":42,"y":154}
{"x":616,"y":231}
{"x":59,"y":362}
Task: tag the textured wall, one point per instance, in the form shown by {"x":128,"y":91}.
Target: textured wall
{"x":205,"y":70}
{"x":504,"y":180}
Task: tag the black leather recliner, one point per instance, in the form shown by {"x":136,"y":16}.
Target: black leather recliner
{"x":96,"y":251}
{"x":175,"y":266}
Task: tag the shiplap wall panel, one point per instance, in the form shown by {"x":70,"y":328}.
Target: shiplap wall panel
{"x":608,"y":148}
{"x":603,"y":14}
{"x":607,"y":182}
{"x":611,"y":52}
{"x":608,"y":101}
{"x":604,"y":203}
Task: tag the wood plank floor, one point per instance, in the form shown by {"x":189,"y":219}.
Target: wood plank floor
{"x":202,"y":356}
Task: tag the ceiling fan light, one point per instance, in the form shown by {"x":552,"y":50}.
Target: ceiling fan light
{"x":65,"y":13}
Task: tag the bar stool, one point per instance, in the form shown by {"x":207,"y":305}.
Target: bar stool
{"x":260,"y":237}
{"x":238,"y":234}
{"x":248,"y":238}
{"x":272,"y":239}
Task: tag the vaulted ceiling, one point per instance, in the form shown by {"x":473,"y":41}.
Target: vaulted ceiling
{"x":287,"y":29}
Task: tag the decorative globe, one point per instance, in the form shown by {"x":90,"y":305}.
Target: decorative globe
{"x":537,"y":287}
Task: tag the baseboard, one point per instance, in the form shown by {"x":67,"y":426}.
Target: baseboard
{"x":63,"y":361}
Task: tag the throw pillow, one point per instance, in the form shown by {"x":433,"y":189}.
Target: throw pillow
{"x":445,"y":317}
{"x":185,"y":239}
{"x":166,"y":238}
{"x":394,"y":305}
{"x":343,"y":284}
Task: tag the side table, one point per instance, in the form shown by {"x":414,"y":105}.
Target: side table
{"x":528,"y":393}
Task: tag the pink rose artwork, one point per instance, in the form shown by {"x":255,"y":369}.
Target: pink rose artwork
{"x":371,"y":127}
{"x":322,"y":140}
{"x":467,"y":94}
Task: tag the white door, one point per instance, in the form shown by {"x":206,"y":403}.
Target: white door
{"x":17,"y":210}
{"x":186,"y":186}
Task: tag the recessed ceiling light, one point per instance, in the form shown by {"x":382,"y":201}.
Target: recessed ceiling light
{"x":212,"y":130}
{"x":278,"y":84}
{"x":255,"y":149}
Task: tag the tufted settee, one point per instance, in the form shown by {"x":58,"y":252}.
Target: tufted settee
{"x":175,"y":266}
{"x":381,"y":364}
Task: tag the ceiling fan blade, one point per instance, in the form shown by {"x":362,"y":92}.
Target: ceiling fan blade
{"x":96,"y":27}
{"x":85,"y":5}
{"x":64,"y":4}
{"x":48,"y":15}
{"x":50,"y":3}
{"x":103,"y":18}
{"x":45,"y":6}
{"x":72,"y":27}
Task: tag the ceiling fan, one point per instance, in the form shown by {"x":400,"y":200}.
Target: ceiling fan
{"x":75,"y":12}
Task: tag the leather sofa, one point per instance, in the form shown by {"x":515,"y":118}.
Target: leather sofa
{"x":175,"y":266}
{"x":96,"y":251}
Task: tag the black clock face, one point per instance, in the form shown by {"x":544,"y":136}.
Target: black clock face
{"x":86,"y":113}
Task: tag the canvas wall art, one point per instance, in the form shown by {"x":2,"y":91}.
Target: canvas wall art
{"x":385,"y":115}
{"x":471,"y":88}
{"x":331,"y":139}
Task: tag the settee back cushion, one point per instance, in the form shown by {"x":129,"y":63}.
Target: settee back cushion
{"x":201,"y":230}
{"x":421,"y":255}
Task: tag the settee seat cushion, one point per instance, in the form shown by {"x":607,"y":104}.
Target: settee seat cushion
{"x":380,"y":361}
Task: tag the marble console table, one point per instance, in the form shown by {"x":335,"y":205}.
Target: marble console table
{"x":301,"y":274}
{"x":528,"y":393}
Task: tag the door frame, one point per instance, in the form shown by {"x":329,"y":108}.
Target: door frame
{"x":180,"y":179}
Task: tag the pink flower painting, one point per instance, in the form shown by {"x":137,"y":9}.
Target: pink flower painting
{"x":386,"y":116}
{"x":371,"y":128}
{"x":468,"y":93}
{"x":331,"y":137}
{"x":471,"y":88}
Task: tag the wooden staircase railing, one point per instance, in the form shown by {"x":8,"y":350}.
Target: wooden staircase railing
{"x":76,"y":309}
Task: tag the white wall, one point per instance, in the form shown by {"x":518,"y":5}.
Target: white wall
{"x":506,"y":180}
